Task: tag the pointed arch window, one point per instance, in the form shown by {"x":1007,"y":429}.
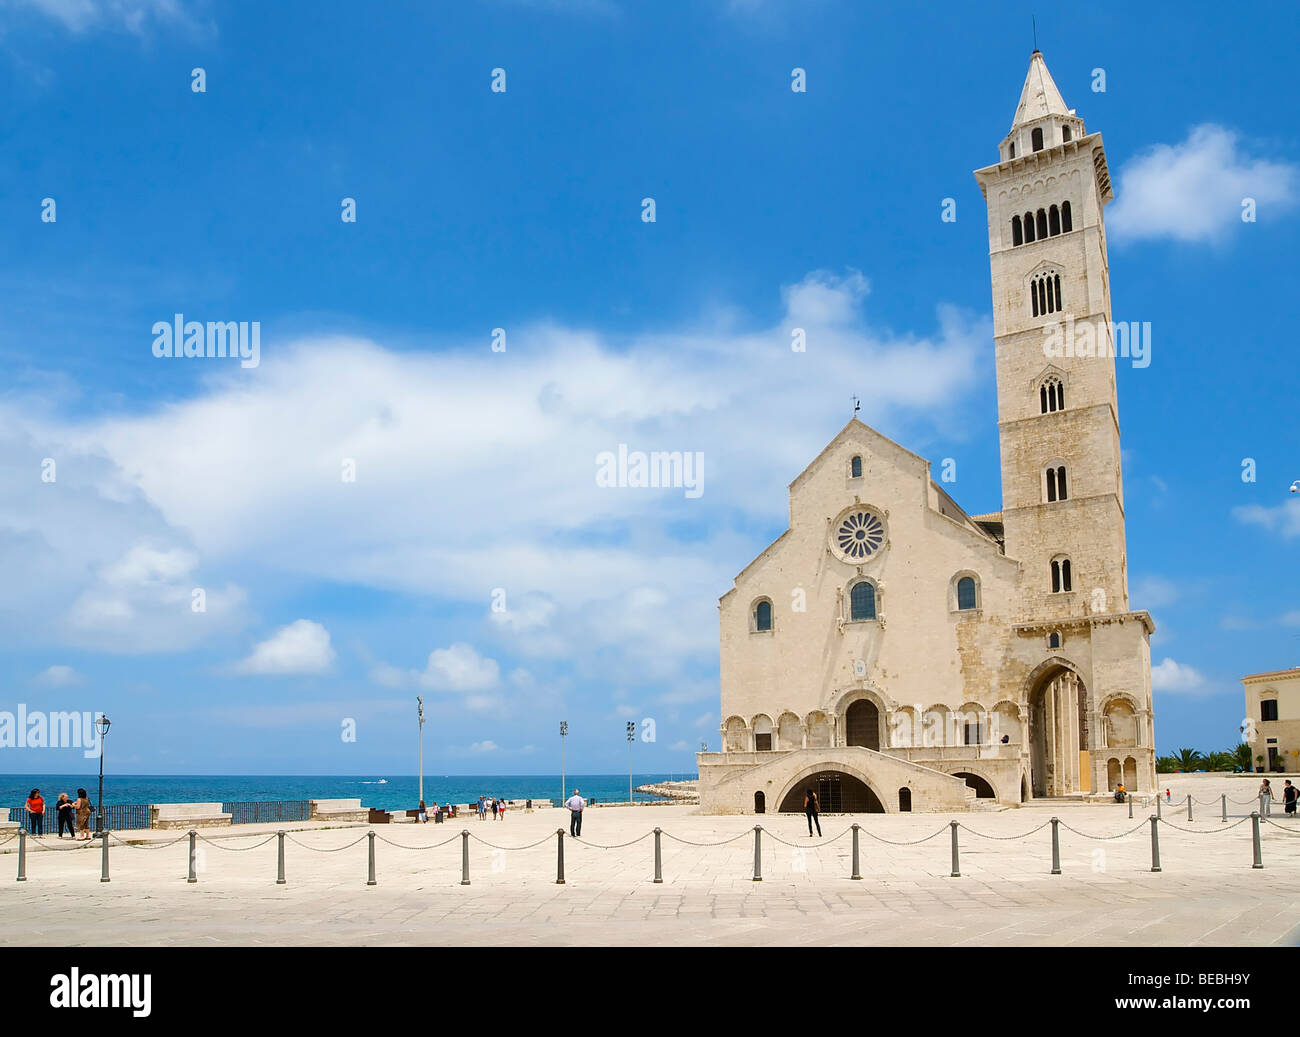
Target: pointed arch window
{"x":1066,"y":224}
{"x":1045,"y":294}
{"x":1036,"y":138}
{"x":1016,"y":237}
{"x":1051,"y":395}
{"x":862,"y":601}
{"x":1061,"y":575}
{"x":1056,"y":490}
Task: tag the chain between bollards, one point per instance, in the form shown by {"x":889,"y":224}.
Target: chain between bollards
{"x":370,"y":879}
{"x":279,"y":860}
{"x":659,"y":860}
{"x":1254,"y":825}
{"x":464,"y":857}
{"x":956,"y":866}
{"x":758,"y":849}
{"x":1155,"y":840}
{"x":22,"y":856}
{"x":192,"y":877}
{"x":1056,"y":847}
{"x":559,"y":856}
{"x":855,"y":874}
{"x":103,"y":868}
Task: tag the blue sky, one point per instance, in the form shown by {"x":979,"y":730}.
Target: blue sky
{"x":521,"y":210}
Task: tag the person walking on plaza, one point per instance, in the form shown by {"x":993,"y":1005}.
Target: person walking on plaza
{"x":82,"y":807}
{"x":36,"y":813}
{"x":501,"y":809}
{"x":66,"y":815}
{"x":493,"y":803}
{"x":1265,"y":799}
{"x":810,"y":811}
{"x":1289,"y":794}
{"x":482,"y":808}
{"x":576,"y":805}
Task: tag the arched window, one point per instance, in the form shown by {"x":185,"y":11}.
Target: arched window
{"x":1060,"y":575}
{"x":1054,"y":639}
{"x":855,"y":468}
{"x":1011,"y":150}
{"x":1056,"y":280}
{"x":862,"y":601}
{"x":763,"y":616}
{"x":966,"y":593}
{"x":1036,"y":138}
{"x":904,"y":800}
{"x":1029,"y":227}
{"x":1051,"y":395}
{"x":1066,"y":135}
{"x":1042,"y":224}
{"x":1016,"y":237}
{"x":1056,"y":483}
{"x":1066,"y":225}
{"x":1045,"y":294}
{"x":1053,"y":221}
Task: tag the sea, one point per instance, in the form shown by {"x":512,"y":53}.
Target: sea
{"x":384,"y":792}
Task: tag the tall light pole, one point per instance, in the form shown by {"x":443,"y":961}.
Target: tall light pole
{"x":419,"y":699}
{"x":564,"y":730}
{"x":103,"y":724}
{"x":631,"y":737}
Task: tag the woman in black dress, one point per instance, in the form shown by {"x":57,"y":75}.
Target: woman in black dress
{"x":810,"y":812}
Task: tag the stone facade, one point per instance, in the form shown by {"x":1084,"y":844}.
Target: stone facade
{"x":1272,"y":725}
{"x":890,"y":641}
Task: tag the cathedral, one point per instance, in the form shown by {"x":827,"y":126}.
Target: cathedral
{"x":893,"y":653}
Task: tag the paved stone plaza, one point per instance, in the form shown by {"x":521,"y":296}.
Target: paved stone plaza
{"x":1207,"y":893}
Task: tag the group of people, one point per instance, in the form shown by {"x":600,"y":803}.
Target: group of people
{"x":495,"y":805}
{"x":1290,"y":795}
{"x":440,"y":813}
{"x":73,"y":814}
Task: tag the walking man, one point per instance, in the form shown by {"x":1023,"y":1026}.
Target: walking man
{"x":576,"y":805}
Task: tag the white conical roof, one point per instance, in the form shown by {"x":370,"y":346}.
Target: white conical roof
{"x":1039,"y":98}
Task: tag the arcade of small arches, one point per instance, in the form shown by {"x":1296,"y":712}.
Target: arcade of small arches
{"x":1047,"y":222}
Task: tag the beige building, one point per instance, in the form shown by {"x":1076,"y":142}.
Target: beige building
{"x":1272,"y":725}
{"x":892,"y":652}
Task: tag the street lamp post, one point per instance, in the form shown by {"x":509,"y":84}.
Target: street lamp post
{"x":564,"y":730}
{"x":419,"y":699}
{"x":631,"y":737}
{"x":103,"y":723}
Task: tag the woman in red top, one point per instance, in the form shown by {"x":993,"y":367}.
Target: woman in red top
{"x":36,"y":813}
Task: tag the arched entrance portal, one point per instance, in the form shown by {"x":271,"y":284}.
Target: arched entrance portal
{"x":862,"y":724}
{"x":983,"y":790}
{"x":1058,"y":734}
{"x":837,"y":792}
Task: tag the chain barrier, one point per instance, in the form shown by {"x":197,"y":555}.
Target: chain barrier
{"x":1103,"y":838}
{"x":1204,"y":831}
{"x":236,"y":849}
{"x":678,"y":839}
{"x":325,"y":849}
{"x":598,"y":846}
{"x":1281,"y":828}
{"x":545,"y":839}
{"x":58,"y":848}
{"x":405,"y":846}
{"x":807,"y":846}
{"x":143,"y":845}
{"x":1004,"y":838}
{"x":910,"y":842}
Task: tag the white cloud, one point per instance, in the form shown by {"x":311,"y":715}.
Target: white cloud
{"x":134,"y":16}
{"x":1193,"y":191}
{"x":461,"y":668}
{"x":1173,"y":676}
{"x":1283,"y":518}
{"x":485,"y":746}
{"x":57,"y":676}
{"x":302,"y":647}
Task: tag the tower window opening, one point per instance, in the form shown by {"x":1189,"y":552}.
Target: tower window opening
{"x":1016,"y":237}
{"x":1029,"y":227}
{"x":1051,"y":396}
{"x":1011,"y":150}
{"x":1066,"y":224}
{"x":1036,"y":138}
{"x":1066,"y":134}
{"x":1056,"y":484}
{"x":1056,"y":280}
{"x":1053,"y":221}
{"x":1042,"y":224}
{"x":1060,"y":575}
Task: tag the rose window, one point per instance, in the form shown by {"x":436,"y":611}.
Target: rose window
{"x":859,"y":535}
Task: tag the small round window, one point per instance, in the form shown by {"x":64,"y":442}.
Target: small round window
{"x":858,"y":535}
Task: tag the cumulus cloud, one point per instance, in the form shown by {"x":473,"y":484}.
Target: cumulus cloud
{"x":1283,"y":518}
{"x":302,"y":647}
{"x":57,"y":676}
{"x":1169,"y":675}
{"x":1193,"y":191}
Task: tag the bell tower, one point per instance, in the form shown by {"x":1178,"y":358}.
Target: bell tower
{"x":1062,"y":494}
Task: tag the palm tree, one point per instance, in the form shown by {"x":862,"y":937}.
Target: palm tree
{"x":1188,"y":759}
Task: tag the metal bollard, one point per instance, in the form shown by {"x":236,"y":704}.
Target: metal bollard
{"x":758,"y":860}
{"x":1225,"y":807}
{"x":1056,"y":847}
{"x":659,"y":860}
{"x":1130,"y":806}
{"x":22,"y":856}
{"x":559,"y":856}
{"x":192,"y":877}
{"x":464,"y":857}
{"x":370,"y":880}
{"x":855,"y":874}
{"x":1259,"y":855}
{"x":1155,"y":843}
{"x":956,"y":869}
{"x":279,"y":861}
{"x":1159,"y":811}
{"x":103,"y":867}
{"x":1189,"y":806}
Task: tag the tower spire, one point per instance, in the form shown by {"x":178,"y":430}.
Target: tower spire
{"x":1039,"y":97}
